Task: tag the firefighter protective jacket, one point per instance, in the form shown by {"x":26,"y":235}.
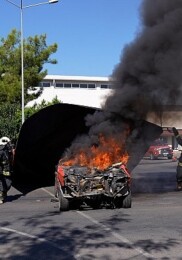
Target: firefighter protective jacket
{"x":6,"y":157}
{"x":179,"y":140}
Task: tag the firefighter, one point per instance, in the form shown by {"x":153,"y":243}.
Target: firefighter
{"x":179,"y":166}
{"x":6,"y":159}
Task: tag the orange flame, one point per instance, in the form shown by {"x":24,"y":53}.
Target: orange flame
{"x":108,"y":152}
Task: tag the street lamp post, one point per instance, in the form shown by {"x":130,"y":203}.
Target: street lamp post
{"x":21,"y":7}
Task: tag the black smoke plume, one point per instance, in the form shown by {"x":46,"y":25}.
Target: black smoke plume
{"x":148,"y":77}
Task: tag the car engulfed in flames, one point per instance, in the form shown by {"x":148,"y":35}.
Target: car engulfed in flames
{"x":76,"y":186}
{"x":91,"y":176}
{"x":97,"y":173}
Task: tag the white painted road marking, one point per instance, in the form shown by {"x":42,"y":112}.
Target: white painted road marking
{"x":104,"y":227}
{"x":114,"y":234}
{"x":50,"y":193}
{"x":30,"y":236}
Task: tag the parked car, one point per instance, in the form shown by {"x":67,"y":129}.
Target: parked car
{"x":159,"y":150}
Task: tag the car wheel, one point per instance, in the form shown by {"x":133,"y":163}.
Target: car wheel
{"x":151,"y":156}
{"x":127,"y":201}
{"x":63,"y":202}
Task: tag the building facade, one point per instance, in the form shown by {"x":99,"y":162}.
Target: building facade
{"x":78,"y":90}
{"x":93,"y":91}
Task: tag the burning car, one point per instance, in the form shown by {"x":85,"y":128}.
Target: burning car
{"x":77,"y":185}
{"x":89,"y":175}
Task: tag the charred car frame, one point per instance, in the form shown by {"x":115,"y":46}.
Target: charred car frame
{"x":76,"y":186}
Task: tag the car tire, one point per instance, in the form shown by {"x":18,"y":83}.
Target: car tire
{"x":152,"y":156}
{"x":63,"y":202}
{"x":127,"y":201}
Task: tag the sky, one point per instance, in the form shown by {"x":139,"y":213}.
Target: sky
{"x":90,"y":34}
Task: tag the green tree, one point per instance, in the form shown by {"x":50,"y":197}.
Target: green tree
{"x":36,"y":54}
{"x":10,"y":117}
{"x":29,"y":111}
{"x":10,"y":120}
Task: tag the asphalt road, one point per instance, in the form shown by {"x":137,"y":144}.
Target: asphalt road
{"x":31,"y":227}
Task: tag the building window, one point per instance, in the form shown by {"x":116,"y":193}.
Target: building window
{"x":59,"y":85}
{"x":45,"y":84}
{"x":67,"y":85}
{"x":91,"y":85}
{"x":83,"y":85}
{"x":74,"y":85}
{"x":104,"y":86}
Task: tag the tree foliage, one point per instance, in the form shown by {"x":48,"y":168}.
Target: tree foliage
{"x":29,"y":111}
{"x":36,"y":54}
{"x":10,"y":117}
{"x":10,"y":120}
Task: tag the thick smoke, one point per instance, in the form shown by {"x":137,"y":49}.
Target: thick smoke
{"x":149,"y":75}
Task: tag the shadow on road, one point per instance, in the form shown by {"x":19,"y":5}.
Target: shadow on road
{"x":67,"y":242}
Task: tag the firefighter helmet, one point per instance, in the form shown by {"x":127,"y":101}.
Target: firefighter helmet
{"x":4,"y":140}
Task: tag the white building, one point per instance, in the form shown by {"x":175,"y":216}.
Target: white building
{"x":92,"y":92}
{"x":78,"y":90}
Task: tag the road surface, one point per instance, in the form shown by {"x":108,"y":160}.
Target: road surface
{"x":31,"y":227}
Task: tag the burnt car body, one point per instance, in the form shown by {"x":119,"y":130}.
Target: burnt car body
{"x":76,"y":186}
